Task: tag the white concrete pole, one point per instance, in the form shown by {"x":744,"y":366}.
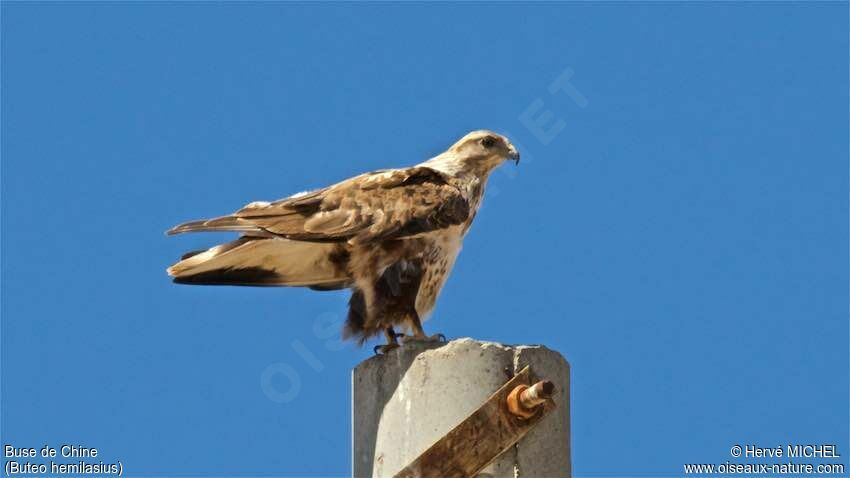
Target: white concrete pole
{"x":405,"y":401}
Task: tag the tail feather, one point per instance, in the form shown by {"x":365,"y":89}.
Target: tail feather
{"x":257,"y":261}
{"x":191,"y":253}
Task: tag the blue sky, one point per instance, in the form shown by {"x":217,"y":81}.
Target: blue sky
{"x":682,"y":239}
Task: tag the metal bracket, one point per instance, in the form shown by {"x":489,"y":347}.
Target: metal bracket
{"x":497,"y":425}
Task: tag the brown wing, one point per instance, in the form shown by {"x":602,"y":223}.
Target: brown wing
{"x":378,"y":205}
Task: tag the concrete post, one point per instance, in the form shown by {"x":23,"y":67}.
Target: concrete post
{"x":405,"y":401}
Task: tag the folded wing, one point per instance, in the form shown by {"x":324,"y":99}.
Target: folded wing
{"x":372,"y":206}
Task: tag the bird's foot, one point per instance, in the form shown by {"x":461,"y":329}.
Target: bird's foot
{"x":423,"y":338}
{"x":385,"y":349}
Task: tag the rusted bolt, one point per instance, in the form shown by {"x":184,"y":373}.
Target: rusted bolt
{"x":524,"y":400}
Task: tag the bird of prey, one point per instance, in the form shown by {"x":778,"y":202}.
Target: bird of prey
{"x":391,"y":236}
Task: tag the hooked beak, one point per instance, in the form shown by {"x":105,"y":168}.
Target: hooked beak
{"x":513,"y":154}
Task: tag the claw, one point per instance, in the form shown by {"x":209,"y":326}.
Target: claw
{"x":423,"y":339}
{"x":384,"y":349}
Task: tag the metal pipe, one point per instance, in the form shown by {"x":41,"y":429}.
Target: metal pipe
{"x":523,"y":400}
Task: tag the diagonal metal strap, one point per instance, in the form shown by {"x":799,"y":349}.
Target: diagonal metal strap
{"x":479,"y":439}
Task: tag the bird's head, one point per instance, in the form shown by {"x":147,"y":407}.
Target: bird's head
{"x":478,"y":152}
{"x":483,"y":145}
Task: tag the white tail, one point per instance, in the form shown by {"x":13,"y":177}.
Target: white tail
{"x":263,"y":261}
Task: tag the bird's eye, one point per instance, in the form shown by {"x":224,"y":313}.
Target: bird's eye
{"x":488,"y":142}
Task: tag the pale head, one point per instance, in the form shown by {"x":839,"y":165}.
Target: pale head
{"x":478,"y":152}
